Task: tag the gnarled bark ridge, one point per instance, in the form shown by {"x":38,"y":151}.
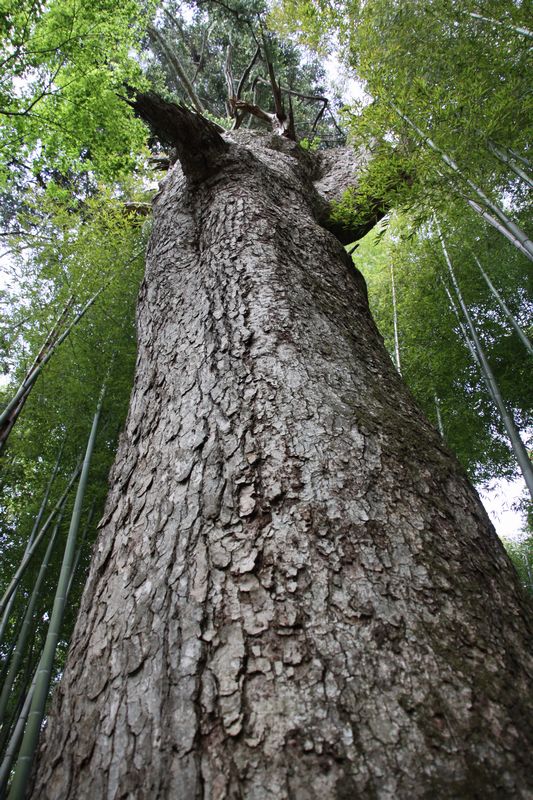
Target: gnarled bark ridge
{"x":295,"y":592}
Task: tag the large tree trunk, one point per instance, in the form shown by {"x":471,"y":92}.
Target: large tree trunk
{"x":295,"y":592}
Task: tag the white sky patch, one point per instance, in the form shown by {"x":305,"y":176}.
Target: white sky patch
{"x":500,"y":498}
{"x":344,"y":82}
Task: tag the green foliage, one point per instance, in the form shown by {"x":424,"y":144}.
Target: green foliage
{"x":462,"y":80}
{"x":65,"y":65}
{"x":310,"y":144}
{"x":384,"y":183}
{"x":434,"y":358}
{"x":80,"y":249}
{"x":319,"y":24}
{"x":521,"y":554}
{"x":223,"y":122}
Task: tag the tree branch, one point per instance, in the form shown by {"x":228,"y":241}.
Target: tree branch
{"x":278,"y":101}
{"x":327,"y":108}
{"x":197,"y":58}
{"x":285,"y":90}
{"x":319,"y":117}
{"x":285,"y":124}
{"x":159,"y":40}
{"x":256,"y":111}
{"x":201,"y":59}
{"x":228,"y":75}
{"x":246,"y":73}
{"x":198,"y":142}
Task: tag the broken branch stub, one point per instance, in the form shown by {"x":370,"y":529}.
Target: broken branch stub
{"x":197,"y":141}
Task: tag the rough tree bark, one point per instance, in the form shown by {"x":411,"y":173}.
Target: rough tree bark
{"x":295,"y":592}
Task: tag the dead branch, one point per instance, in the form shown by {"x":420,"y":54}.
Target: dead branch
{"x":228,"y":75}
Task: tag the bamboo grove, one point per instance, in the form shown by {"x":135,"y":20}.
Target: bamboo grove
{"x":447,"y":121}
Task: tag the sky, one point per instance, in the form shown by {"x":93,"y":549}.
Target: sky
{"x":499,"y":499}
{"x":346,"y":83}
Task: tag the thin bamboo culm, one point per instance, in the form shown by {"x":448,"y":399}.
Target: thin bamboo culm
{"x":36,"y":542}
{"x":23,"y":768}
{"x":507,"y":313}
{"x":395,"y":321}
{"x":514,"y":231}
{"x":8,"y":608}
{"x":26,"y":624}
{"x":517,"y":445}
{"x":11,"y":412}
{"x":18,"y":729}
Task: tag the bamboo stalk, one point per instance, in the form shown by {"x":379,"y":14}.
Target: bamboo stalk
{"x":509,"y":316}
{"x":11,"y":412}
{"x":464,"y":333}
{"x":14,"y":741}
{"x":9,"y":607}
{"x":511,"y":163}
{"x":496,"y":224}
{"x":7,"y":658}
{"x":37,"y":522}
{"x":80,"y":547}
{"x":528,"y":570}
{"x":523,"y":160}
{"x":517,"y":445}
{"x":25,"y":682}
{"x":26,"y":624}
{"x":31,"y":735}
{"x":38,"y":539}
{"x":439,"y":416}
{"x":18,"y":730}
{"x":52,"y":336}
{"x":516,"y":28}
{"x":395,"y":321}
{"x":511,"y":226}
{"x":16,"y":735}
